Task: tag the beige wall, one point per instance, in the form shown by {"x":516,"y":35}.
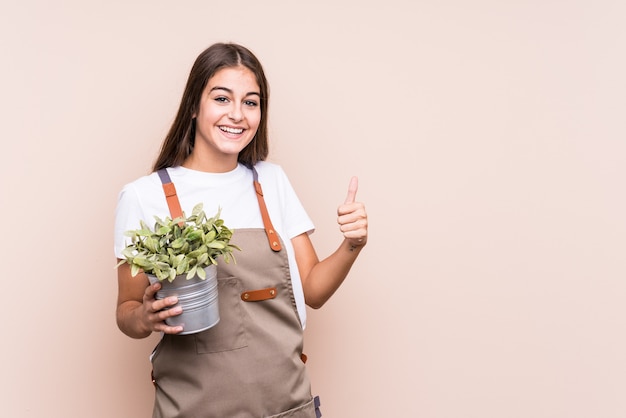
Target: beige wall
{"x":490,"y":142}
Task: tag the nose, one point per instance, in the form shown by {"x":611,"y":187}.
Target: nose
{"x":235,"y":114}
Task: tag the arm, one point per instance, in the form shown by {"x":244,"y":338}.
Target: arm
{"x":138,"y":313}
{"x":320,"y":279}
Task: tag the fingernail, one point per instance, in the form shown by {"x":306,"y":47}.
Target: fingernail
{"x":172,"y":300}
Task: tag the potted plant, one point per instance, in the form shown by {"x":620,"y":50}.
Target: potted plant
{"x":182,"y":254}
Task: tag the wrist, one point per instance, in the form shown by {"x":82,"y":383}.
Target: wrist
{"x":356,"y":245}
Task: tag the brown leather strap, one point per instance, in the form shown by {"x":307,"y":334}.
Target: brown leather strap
{"x":272,"y":236}
{"x":258,"y":295}
{"x":170,"y":195}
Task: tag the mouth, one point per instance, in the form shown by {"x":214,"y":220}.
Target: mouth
{"x":230,"y":130}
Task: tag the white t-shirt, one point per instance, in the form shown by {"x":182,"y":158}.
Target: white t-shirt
{"x":233,"y":192}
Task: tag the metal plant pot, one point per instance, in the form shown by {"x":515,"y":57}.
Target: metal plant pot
{"x":197,"y":297}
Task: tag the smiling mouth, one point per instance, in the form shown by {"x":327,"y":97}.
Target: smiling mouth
{"x":231,"y":130}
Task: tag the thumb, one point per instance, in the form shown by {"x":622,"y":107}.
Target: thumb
{"x":352,"y":188}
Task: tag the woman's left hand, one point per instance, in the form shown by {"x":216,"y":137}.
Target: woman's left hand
{"x":352,"y":218}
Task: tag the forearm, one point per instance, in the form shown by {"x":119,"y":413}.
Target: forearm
{"x":130,"y":321}
{"x":320,"y":279}
{"x":326,"y":276}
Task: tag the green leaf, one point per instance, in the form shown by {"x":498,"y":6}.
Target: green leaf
{"x":161,"y":275}
{"x":195,"y":235}
{"x":201,"y":273}
{"x":198,"y":252}
{"x":142,"y":261}
{"x":178,"y":243}
{"x":175,"y":259}
{"x":162,"y":266}
{"x":203,"y":259}
{"x":164,"y":230}
{"x":144,"y":233}
{"x":160,"y":222}
{"x":219,"y":245}
{"x":192,"y":273}
{"x":151,"y":244}
{"x":210,"y":236}
{"x":128,"y":252}
{"x":183,"y":266}
{"x":196,"y":209}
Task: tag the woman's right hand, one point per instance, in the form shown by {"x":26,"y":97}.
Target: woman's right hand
{"x":139,"y":313}
{"x":155,"y":311}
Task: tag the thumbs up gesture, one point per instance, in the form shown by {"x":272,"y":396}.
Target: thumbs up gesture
{"x":352,"y":218}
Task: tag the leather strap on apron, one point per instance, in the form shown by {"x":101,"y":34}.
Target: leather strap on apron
{"x":170,"y":194}
{"x":269,"y":229}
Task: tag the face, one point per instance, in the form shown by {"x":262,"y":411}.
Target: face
{"x":227,"y":119}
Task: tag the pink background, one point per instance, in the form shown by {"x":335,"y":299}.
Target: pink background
{"x":490,"y":142}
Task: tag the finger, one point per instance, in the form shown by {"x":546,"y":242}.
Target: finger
{"x":350,"y":212}
{"x":168,"y":305}
{"x":352,"y":189}
{"x":151,"y":291}
{"x":171,"y":330}
{"x":163,"y":315}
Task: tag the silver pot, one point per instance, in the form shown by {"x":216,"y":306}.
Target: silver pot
{"x":196,"y":296}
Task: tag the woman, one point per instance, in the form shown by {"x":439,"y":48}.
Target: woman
{"x":251,"y":363}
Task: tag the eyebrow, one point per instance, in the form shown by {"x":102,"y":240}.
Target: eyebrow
{"x":250,"y":93}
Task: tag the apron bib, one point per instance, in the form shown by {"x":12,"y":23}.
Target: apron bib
{"x":250,"y":364}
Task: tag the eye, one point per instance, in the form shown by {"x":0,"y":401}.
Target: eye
{"x":221,"y":99}
{"x":251,"y":103}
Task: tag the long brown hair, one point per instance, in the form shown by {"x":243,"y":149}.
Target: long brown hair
{"x":179,"y":141}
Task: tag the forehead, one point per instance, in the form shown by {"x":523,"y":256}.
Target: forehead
{"x":235,"y":79}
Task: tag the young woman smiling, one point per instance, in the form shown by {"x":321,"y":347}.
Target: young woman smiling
{"x":251,"y":363}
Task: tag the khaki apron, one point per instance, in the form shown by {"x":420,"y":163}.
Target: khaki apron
{"x":250,"y":364}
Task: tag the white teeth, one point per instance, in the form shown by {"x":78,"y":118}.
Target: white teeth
{"x":231,"y":130}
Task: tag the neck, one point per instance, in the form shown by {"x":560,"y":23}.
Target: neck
{"x":210,"y":165}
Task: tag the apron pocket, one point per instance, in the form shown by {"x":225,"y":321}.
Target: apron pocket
{"x":230,"y":332}
{"x":308,"y":410}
